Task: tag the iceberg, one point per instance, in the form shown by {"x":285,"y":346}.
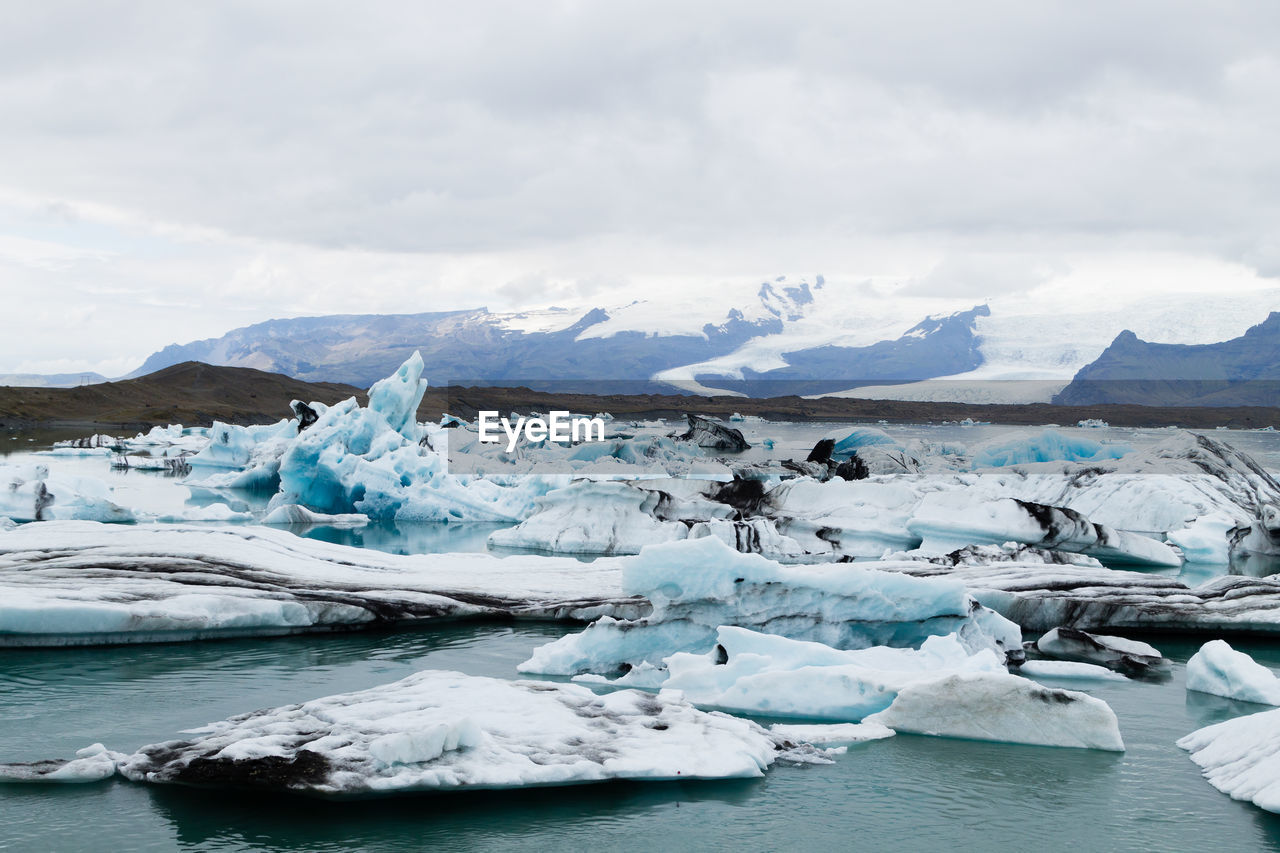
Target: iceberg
{"x":825,"y":733}
{"x":1221,"y":670}
{"x":376,"y":461}
{"x":1040,"y":596}
{"x":1044,"y":446}
{"x":34,"y":493}
{"x":83,"y":583}
{"x":705,"y":432}
{"x":1119,"y":653}
{"x":1001,"y":707}
{"x":949,"y":520}
{"x":440,"y":731}
{"x":698,"y":585}
{"x":294,"y":514}
{"x":1241,"y":757}
{"x":609,"y":518}
{"x":753,"y":673}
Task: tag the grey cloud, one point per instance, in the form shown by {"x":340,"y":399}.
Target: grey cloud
{"x":466,"y":128}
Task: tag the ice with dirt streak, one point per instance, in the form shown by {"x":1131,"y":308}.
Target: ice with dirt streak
{"x":698,"y":585}
{"x":754,"y":673}
{"x":439,"y":730}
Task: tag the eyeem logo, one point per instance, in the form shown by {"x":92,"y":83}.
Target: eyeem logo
{"x":562,"y":428}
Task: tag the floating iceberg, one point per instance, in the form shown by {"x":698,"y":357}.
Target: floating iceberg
{"x":1221,"y":670}
{"x":1241,"y":757}
{"x":1040,"y":596}
{"x":437,"y":731}
{"x":1044,"y":446}
{"x":754,"y":673}
{"x":609,"y":518}
{"x":34,"y":493}
{"x":698,"y":585}
{"x":946,"y":521}
{"x":825,"y":733}
{"x":286,"y":514}
{"x":376,"y":461}
{"x":81,"y":583}
{"x":1118,"y":653}
{"x":1002,"y":707}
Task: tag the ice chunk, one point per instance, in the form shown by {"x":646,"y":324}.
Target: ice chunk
{"x":35,"y":493}
{"x":1207,"y":539}
{"x":753,"y":536}
{"x":848,"y":440}
{"x":1241,"y":757}
{"x":439,"y":731}
{"x":1118,"y":653}
{"x":1045,"y":446}
{"x":698,"y":585}
{"x":1067,"y":669}
{"x":91,"y":764}
{"x":754,"y":673}
{"x":705,"y":432}
{"x":78,"y":583}
{"x":824,"y":733}
{"x":1001,"y":707}
{"x":601,"y":518}
{"x":1221,"y":670}
{"x":946,"y":521}
{"x":295,"y":514}
{"x":398,"y":396}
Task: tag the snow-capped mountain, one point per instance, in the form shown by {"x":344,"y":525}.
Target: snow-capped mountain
{"x":791,"y":336}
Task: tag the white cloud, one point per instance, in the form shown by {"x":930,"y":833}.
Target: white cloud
{"x":180,"y":169}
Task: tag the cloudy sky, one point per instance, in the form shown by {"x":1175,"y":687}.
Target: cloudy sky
{"x":170,"y":171}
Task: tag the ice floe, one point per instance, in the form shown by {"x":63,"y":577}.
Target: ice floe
{"x":1002,"y":707}
{"x":35,"y":493}
{"x":754,"y":673}
{"x":1118,"y":653}
{"x":76,"y":583}
{"x":1221,"y":670}
{"x":439,"y":731}
{"x":1241,"y":757}
{"x":698,"y":585}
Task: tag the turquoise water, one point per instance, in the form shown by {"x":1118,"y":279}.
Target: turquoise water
{"x":905,"y":793}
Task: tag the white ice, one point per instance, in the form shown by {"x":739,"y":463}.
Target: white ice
{"x":1221,"y":670}
{"x":1241,"y":757}
{"x":698,"y":585}
{"x":1002,"y":707}
{"x":444,"y":730}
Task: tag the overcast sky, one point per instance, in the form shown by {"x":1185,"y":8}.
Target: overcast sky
{"x":169,"y":171}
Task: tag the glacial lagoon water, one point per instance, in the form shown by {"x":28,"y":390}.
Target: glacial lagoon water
{"x":905,"y":793}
